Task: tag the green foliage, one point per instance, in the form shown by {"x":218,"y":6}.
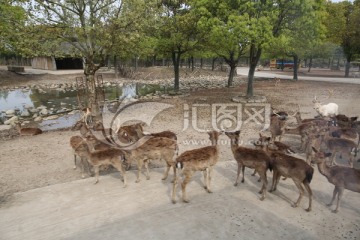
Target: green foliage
{"x":12,"y":21}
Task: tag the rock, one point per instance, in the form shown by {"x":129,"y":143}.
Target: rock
{"x":53,"y":117}
{"x":28,"y":106}
{"x":25,"y":113}
{"x":33,"y":110}
{"x":5,"y":127}
{"x":35,"y":115}
{"x":73,"y":112}
{"x":41,"y":107}
{"x":44,"y":112}
{"x":10,"y":112}
{"x":63,"y":104}
{"x":12,"y":120}
{"x":38,"y":119}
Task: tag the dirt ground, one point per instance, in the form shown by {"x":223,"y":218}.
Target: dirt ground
{"x":39,"y":161}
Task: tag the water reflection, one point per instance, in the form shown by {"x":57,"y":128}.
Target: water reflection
{"x":58,"y":99}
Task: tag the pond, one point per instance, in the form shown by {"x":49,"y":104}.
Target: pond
{"x":62,"y":100}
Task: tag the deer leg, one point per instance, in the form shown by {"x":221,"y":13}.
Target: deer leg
{"x":333,"y":159}
{"x":253,"y":174}
{"x":186,"y":180}
{"x":166,"y":173}
{"x":173,"y":194}
{"x":74,"y":161}
{"x":121,"y":170}
{"x":209,"y":171}
{"x":238,"y":174}
{"x":147,"y":170}
{"x":301,"y":189}
{"x":308,"y":189}
{"x":264,"y":186}
{"x":139,"y":163}
{"x":335,"y":192}
{"x":243,"y":173}
{"x":340,"y":193}
{"x":205,"y":178}
{"x":275,"y":181}
{"x":96,"y":168}
{"x":351,"y":159}
{"x":174,"y":167}
{"x":82,"y":163}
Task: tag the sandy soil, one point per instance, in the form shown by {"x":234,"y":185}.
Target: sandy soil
{"x":35,"y":162}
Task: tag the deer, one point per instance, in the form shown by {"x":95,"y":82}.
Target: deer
{"x":112,"y":156}
{"x":201,"y":159}
{"x":340,"y":176}
{"x":327,"y":110}
{"x":134,"y":132}
{"x":93,"y":142}
{"x":27,"y":131}
{"x":296,"y":169}
{"x":337,"y":145}
{"x":75,"y":142}
{"x":82,"y":126}
{"x":307,"y":128}
{"x":277,"y":124}
{"x":251,"y":158}
{"x":264,"y":143}
{"x":152,"y":148}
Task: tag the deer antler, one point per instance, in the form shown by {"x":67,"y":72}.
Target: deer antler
{"x":330,"y":92}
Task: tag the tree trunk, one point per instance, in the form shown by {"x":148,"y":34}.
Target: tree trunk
{"x":213,"y":64}
{"x":92,"y":98}
{"x":136,"y":63}
{"x":176,"y":61}
{"x":231,"y":75}
{"x":116,"y":67}
{"x":192,"y":64}
{"x":347,"y":67}
{"x":255,"y":54}
{"x":310,"y":64}
{"x":295,"y":68}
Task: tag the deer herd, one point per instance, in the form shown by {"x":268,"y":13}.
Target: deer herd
{"x":323,"y":139}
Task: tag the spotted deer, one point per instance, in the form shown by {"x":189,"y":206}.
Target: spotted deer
{"x":201,"y":159}
{"x":27,"y":131}
{"x":251,"y":158}
{"x":340,"y":176}
{"x":152,"y":148}
{"x":112,"y":156}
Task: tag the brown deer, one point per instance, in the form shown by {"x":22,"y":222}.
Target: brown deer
{"x":278,"y":146}
{"x":82,"y":126}
{"x":201,"y":159}
{"x":265,"y":144}
{"x":251,"y":158}
{"x":134,"y":132}
{"x":277,"y":124}
{"x":75,"y":142}
{"x":27,"y":131}
{"x":150,"y":148}
{"x":296,"y":169}
{"x":342,"y":177}
{"x":306,"y":129}
{"x":112,"y":156}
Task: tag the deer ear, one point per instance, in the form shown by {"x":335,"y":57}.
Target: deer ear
{"x":237,"y":132}
{"x":314,"y":149}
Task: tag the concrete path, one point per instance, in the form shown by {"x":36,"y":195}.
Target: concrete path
{"x":81,"y":210}
{"x":267,"y":74}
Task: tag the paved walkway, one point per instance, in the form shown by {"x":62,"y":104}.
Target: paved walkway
{"x":267,"y":74}
{"x":107,"y":211}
